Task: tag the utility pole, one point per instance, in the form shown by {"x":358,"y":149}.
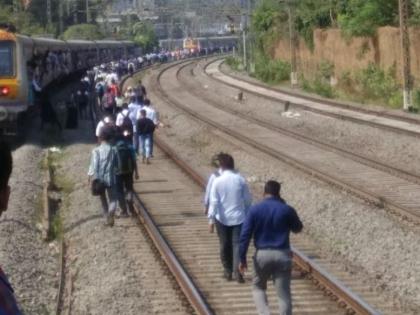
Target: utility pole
{"x":49,"y":12}
{"x":405,"y":52}
{"x":75,"y":12}
{"x":88,"y":20}
{"x":292,"y":35}
{"x":60,"y":16}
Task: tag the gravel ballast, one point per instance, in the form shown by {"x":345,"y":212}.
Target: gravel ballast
{"x":30,"y":263}
{"x":113,"y":270}
{"x":398,"y":150}
{"x":374,"y":244}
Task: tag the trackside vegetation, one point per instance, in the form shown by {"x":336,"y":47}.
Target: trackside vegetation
{"x":354,"y":18}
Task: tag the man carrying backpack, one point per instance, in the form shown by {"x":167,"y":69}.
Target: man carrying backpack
{"x":125,"y":167}
{"x":124,"y":122}
{"x":145,"y":129}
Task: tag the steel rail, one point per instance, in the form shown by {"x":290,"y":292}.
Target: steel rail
{"x":414,"y":178}
{"x":330,"y":103}
{"x":184,"y":280}
{"x":328,"y":282}
{"x":358,"y":191}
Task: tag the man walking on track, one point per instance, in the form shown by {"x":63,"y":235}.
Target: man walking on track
{"x":270,"y":222}
{"x":145,"y":129}
{"x":229,"y":203}
{"x":126,"y":166}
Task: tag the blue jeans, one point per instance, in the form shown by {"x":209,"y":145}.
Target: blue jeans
{"x":145,"y":145}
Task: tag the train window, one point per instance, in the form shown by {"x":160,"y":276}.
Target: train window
{"x":6,"y":59}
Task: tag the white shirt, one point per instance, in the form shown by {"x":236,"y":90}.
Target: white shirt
{"x":210,"y":182}
{"x":230,"y":199}
{"x":150,"y":113}
{"x":134,"y":109}
{"x":121,"y":116}
{"x":99,"y":127}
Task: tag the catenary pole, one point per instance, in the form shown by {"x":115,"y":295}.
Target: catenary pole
{"x":292,"y":35}
{"x":405,"y":54}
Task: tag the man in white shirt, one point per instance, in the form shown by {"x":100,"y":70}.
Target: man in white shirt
{"x":213,"y":176}
{"x":230,"y":200}
{"x":107,"y":121}
{"x":134,"y":109}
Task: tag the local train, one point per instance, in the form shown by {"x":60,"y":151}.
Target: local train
{"x":199,"y":43}
{"x":24,"y":58}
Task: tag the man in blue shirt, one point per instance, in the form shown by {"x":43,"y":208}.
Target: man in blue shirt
{"x":229,"y":203}
{"x":270,"y":222}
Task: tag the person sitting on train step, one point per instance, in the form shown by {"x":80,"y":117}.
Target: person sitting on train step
{"x":126,"y":167}
{"x":269,"y":222}
{"x":229,"y":202}
{"x":145,"y":129}
{"x":215,"y":163}
{"x":8,"y":304}
{"x":82,"y":99}
{"x":102,"y":169}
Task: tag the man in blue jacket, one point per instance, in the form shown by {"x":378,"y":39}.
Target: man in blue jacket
{"x":270,"y":222}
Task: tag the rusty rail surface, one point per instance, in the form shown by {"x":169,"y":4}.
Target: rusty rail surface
{"x":326,"y":282}
{"x":187,"y":285}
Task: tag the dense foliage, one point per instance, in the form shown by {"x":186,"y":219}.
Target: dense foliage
{"x":83,"y":31}
{"x":354,"y":17}
{"x":74,"y":21}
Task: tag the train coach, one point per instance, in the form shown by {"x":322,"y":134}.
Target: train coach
{"x":23,"y":58}
{"x":210,"y":43}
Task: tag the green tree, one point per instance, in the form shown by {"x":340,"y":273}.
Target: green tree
{"x":363,"y":17}
{"x":143,"y":34}
{"x":83,"y":31}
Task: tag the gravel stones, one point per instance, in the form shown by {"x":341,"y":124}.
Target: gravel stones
{"x":374,"y":244}
{"x":30,"y":263}
{"x":113,"y":270}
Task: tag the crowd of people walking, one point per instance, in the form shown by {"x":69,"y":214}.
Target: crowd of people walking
{"x":125,"y":134}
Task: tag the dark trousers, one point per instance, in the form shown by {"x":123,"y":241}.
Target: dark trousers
{"x":229,"y":246}
{"x":124,"y":185}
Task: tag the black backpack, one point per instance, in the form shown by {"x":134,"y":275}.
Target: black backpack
{"x":127,"y":124}
{"x":125,"y":163}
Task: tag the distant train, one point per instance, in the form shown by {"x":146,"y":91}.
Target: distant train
{"x":22,"y":58}
{"x":199,"y":43}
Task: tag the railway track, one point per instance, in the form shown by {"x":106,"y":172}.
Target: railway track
{"x":381,"y":185}
{"x":170,"y":203}
{"x":168,"y":198}
{"x":384,"y":119}
{"x":153,"y":274}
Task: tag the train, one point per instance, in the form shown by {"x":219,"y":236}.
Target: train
{"x":23,"y":58}
{"x":199,"y":43}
